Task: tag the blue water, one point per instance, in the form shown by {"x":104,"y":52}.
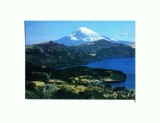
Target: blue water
{"x":124,"y":64}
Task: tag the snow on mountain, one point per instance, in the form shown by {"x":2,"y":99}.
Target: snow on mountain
{"x":86,"y":35}
{"x":81,"y":36}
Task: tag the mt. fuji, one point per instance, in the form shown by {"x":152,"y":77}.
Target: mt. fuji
{"x":81,"y":36}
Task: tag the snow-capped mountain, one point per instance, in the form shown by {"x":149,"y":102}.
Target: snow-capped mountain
{"x":81,"y":36}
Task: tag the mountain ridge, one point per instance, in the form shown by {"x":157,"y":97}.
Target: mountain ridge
{"x":54,"y":54}
{"x":103,"y":48}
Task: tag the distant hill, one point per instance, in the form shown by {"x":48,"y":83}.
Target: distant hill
{"x":54,"y":54}
{"x":103,"y":48}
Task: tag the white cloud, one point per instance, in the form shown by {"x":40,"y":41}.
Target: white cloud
{"x":124,"y":34}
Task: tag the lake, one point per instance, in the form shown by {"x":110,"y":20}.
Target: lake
{"x":124,"y":64}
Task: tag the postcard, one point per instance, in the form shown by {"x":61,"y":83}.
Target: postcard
{"x":80,"y":60}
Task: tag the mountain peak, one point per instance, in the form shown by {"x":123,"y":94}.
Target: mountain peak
{"x":85,"y":30}
{"x":80,"y":36}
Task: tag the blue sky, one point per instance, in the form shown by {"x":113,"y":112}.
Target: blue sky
{"x":42,"y":31}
